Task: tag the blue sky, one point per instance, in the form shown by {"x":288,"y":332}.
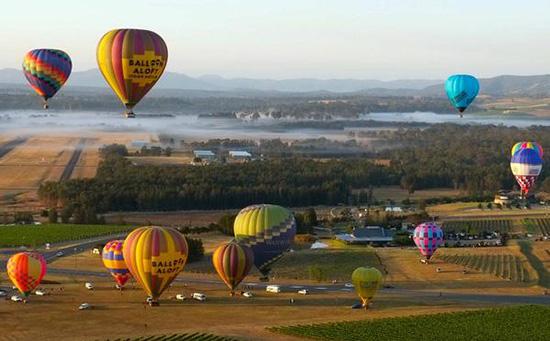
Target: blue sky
{"x":299,"y":38}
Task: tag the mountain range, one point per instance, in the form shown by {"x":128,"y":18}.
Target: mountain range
{"x":506,"y":85}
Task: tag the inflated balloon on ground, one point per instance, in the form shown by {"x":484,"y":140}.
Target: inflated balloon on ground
{"x":155,"y":256}
{"x":113,"y":259}
{"x":26,"y":270}
{"x":366,"y":282}
{"x":428,"y":237}
{"x":233,"y":262}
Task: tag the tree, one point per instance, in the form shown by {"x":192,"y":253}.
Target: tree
{"x":52,"y":216}
{"x":402,"y":238}
{"x":196,"y":249}
{"x":225,"y":224}
{"x":310,"y":217}
{"x":408,"y":182}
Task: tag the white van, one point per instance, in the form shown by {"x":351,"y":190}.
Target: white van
{"x":273,"y":288}
{"x":199,"y":297}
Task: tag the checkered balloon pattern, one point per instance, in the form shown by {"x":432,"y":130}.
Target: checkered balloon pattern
{"x":428,"y":237}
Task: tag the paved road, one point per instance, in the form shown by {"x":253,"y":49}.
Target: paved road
{"x":68,"y":171}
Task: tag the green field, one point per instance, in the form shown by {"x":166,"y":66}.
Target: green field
{"x":477,"y":226}
{"x":504,"y":266}
{"x":538,"y":226}
{"x":179,"y":337}
{"x":512,"y":323}
{"x":324,"y":265}
{"x":37,"y":235}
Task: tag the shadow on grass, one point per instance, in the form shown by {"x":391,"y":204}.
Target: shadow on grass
{"x":543,"y":274}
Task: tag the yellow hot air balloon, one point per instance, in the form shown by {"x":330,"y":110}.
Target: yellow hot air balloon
{"x":366,"y":282}
{"x":131,"y":61}
{"x":155,"y":256}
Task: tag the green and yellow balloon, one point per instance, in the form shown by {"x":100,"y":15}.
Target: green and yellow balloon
{"x":366,"y":281}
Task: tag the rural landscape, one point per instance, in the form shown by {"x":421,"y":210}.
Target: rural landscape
{"x":286,"y":192}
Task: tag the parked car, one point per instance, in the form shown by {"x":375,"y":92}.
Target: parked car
{"x":3,"y":293}
{"x":273,"y":288}
{"x":180,"y":297}
{"x":303,"y":292}
{"x":89,"y":286}
{"x":59,"y":254}
{"x":85,"y":306}
{"x":16,"y":298}
{"x":348,"y":285}
{"x":199,"y":297}
{"x":247,"y":294}
{"x":39,"y":293}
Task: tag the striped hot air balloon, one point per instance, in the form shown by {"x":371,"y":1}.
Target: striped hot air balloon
{"x":155,"y":256}
{"x":46,"y":71}
{"x":131,"y":61}
{"x":526,"y":165}
{"x":527,"y":145}
{"x":113,"y":259}
{"x":268,"y":230}
{"x":26,"y":270}
{"x":461,"y":91}
{"x":366,"y":282}
{"x":232,"y":262}
{"x":428,"y":237}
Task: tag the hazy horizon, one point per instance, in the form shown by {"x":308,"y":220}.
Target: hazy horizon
{"x":384,"y":40}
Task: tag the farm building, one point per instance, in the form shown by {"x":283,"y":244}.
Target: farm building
{"x":239,"y":155}
{"x":205,"y":155}
{"x":368,"y":235}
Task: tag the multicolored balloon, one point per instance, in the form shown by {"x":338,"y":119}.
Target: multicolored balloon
{"x":527,"y":145}
{"x":233,"y":262}
{"x":461,"y":91}
{"x":26,"y":270}
{"x":131,"y":61}
{"x":155,"y":256}
{"x":113,"y":259}
{"x":46,"y":71}
{"x":268,"y":230}
{"x":428,"y":237}
{"x":366,"y":282}
{"x":526,"y":165}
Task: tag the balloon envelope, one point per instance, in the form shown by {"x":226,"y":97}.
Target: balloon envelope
{"x":366,"y":282}
{"x":155,"y":256}
{"x":428,"y":237}
{"x":132,"y":61}
{"x":526,"y":166}
{"x":26,"y":270}
{"x":527,"y":145}
{"x":461,"y":90}
{"x":233,"y":262}
{"x":268,"y":230}
{"x":113,"y":259}
{"x":47,"y":70}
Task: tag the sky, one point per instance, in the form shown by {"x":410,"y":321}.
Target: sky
{"x":363,"y":39}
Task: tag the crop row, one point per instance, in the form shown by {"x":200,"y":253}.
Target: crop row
{"x":179,"y":337}
{"x":512,"y":323}
{"x":504,"y":266}
{"x":542,"y":224}
{"x":477,"y":226}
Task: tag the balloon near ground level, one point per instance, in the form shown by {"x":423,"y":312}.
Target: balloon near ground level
{"x":232,"y":262}
{"x":113,"y":260}
{"x":526,"y":165}
{"x":428,"y":237}
{"x":26,"y":270}
{"x":155,"y":256}
{"x":366,"y":281}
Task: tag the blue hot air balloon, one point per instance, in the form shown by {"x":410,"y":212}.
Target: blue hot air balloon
{"x":461,"y":90}
{"x":526,"y":166}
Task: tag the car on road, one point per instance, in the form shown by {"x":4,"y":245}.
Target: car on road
{"x":273,"y":288}
{"x":348,"y":285}
{"x":3,"y":293}
{"x":247,"y":294}
{"x":180,"y":297}
{"x":89,"y":286}
{"x":39,"y":293}
{"x":85,"y":306}
{"x":199,"y":296}
{"x":303,"y":292}
{"x":59,"y":254}
{"x":16,"y":298}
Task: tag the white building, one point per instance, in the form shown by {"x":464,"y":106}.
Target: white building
{"x":205,"y":155}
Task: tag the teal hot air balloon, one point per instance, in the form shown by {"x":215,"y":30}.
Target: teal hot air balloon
{"x":461,"y":90}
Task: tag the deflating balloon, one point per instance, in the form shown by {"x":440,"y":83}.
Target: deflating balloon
{"x":527,"y":145}
{"x":428,"y":237}
{"x":131,"y":61}
{"x":26,"y":270}
{"x":233,"y":262}
{"x":526,"y":166}
{"x":461,"y":90}
{"x":155,"y":256}
{"x":46,"y":71}
{"x":366,"y":281}
{"x":268,"y":230}
{"x":113,"y":259}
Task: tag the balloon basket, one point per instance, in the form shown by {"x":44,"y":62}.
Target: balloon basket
{"x":130,"y":115}
{"x":154,"y":304}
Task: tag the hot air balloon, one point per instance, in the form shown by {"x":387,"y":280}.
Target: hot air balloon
{"x":155,"y":256}
{"x":131,"y":61}
{"x":527,"y":145}
{"x":428,"y":237}
{"x":46,"y":71}
{"x":366,"y":282}
{"x":114,"y":262}
{"x":233,"y":262}
{"x":268,"y":230}
{"x":526,"y":165}
{"x":461,"y":90}
{"x":26,"y":270}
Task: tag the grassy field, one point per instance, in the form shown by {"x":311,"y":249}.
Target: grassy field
{"x":513,"y":323}
{"x":504,"y":266}
{"x":35,"y":235}
{"x":179,"y":337}
{"x":538,"y":226}
{"x":475,"y":227}
{"x":398,"y":194}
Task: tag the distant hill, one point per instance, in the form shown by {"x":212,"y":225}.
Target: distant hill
{"x":496,"y":86}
